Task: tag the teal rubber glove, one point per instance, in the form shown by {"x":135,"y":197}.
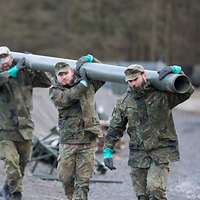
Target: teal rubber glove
{"x":13,"y":71}
{"x":176,"y":69}
{"x":82,"y":60}
{"x":108,"y":160}
{"x":107,"y":153}
{"x":88,"y":58}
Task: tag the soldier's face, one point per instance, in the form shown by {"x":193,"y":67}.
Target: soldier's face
{"x":138,"y":82}
{"x":5,"y":62}
{"x":66,"y":78}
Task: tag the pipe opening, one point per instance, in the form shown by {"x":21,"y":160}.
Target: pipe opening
{"x":182,"y":84}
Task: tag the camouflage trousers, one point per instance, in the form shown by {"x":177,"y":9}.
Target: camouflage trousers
{"x":15,"y":156}
{"x":150,"y":183}
{"x":75,"y":168}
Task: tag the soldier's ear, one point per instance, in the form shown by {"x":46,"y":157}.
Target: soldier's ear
{"x":144,"y":75}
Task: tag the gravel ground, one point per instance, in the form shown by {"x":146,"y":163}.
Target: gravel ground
{"x":183,"y":184}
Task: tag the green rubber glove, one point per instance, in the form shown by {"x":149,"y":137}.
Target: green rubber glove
{"x":107,"y":153}
{"x":89,"y":58}
{"x":108,"y":161}
{"x":13,"y":71}
{"x":82,"y":60}
{"x":176,"y":69}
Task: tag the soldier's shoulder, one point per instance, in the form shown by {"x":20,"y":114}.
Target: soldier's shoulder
{"x":155,"y":90}
{"x":51,"y":89}
{"x":125,"y":97}
{"x":54,"y":87}
{"x":25,"y":73}
{"x":28,"y":71}
{"x":160,"y":93}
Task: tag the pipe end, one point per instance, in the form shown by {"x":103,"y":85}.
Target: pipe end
{"x":182,"y":84}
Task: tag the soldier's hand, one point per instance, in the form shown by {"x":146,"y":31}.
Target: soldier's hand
{"x":82,"y":60}
{"x":108,"y":160}
{"x":12,"y":72}
{"x":164,"y":72}
{"x":174,"y":69}
{"x":109,"y":163}
{"x":21,"y":64}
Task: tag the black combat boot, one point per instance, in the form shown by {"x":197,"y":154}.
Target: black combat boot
{"x":143,"y":197}
{"x":5,"y":192}
{"x":16,"y":196}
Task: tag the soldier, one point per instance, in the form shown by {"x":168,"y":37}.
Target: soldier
{"x":153,"y":141}
{"x":16,"y":86}
{"x":73,"y":95}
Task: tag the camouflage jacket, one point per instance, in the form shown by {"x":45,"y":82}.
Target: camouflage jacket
{"x":147,"y":113}
{"x":78,"y":121}
{"x":16,"y":104}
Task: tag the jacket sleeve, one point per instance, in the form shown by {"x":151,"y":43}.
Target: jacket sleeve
{"x":41,"y":79}
{"x":97,"y":84}
{"x":63,"y":97}
{"x":117,"y":125}
{"x":3,"y":80}
{"x":176,"y":98}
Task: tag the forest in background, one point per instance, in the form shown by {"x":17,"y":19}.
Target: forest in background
{"x":143,"y":30}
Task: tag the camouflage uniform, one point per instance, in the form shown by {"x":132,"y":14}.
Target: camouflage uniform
{"x":79,"y":127}
{"x":16,"y":125}
{"x":153,"y":140}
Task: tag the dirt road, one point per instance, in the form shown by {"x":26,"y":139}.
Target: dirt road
{"x":184,"y":181}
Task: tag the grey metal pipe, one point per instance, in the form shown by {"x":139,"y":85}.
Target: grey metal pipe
{"x":178,"y":83}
